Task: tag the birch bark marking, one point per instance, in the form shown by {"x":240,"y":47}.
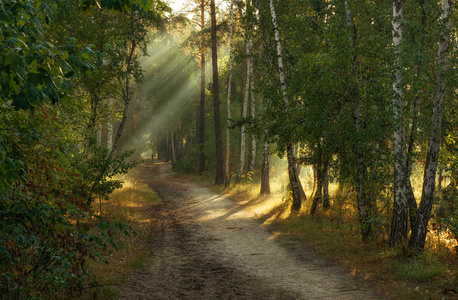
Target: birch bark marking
{"x":228,"y":140}
{"x":289,"y":145}
{"x":244,"y":110}
{"x":265,"y":174}
{"x":418,"y":237}
{"x":399,"y":222}
{"x":366,"y":228}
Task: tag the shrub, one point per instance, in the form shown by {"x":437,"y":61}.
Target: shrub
{"x":47,"y":230}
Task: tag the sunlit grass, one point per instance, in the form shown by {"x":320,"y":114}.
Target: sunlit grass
{"x":131,"y":204}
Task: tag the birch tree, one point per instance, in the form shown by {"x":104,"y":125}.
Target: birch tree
{"x":399,"y":222}
{"x":244,"y":112}
{"x":361,"y":200}
{"x":229,"y":86}
{"x":289,"y":145}
{"x":418,"y":237}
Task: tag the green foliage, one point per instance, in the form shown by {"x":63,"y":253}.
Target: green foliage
{"x":32,"y":69}
{"x":49,"y":166}
{"x":47,"y":232}
{"x":187,"y":164}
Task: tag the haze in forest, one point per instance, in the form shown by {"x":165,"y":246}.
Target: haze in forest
{"x":340,"y":116}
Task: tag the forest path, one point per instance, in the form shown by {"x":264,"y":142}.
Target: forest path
{"x":205,"y":246}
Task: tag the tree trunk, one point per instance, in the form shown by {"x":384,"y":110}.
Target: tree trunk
{"x":326,"y":202}
{"x":201,"y":122}
{"x":366,"y":228}
{"x":265,"y":176}
{"x":244,"y":113}
{"x":399,"y":222}
{"x":252,"y":156}
{"x":229,"y":86}
{"x":219,"y":163}
{"x":110,"y":127}
{"x":93,"y":118}
{"x":289,"y":145}
{"x":412,"y":202}
{"x":418,"y":237}
{"x":173,"y":146}
{"x":319,"y":179}
{"x":298,"y":173}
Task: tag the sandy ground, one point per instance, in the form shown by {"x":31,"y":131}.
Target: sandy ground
{"x":207,"y":247}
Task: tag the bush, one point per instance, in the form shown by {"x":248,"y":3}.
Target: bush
{"x":47,"y":229}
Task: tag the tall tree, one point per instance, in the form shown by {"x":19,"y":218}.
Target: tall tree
{"x":400,"y":218}
{"x":252,"y":112}
{"x":361,"y":168}
{"x":201,"y":122}
{"x":219,"y":163}
{"x":418,"y":237}
{"x":289,"y":144}
{"x":265,"y":174}
{"x":244,"y":110}
{"x":229,"y":86}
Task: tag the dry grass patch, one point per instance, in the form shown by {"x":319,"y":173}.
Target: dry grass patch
{"x":132,"y":205}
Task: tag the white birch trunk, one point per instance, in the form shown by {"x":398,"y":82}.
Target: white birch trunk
{"x":289,"y":145}
{"x":366,"y":228}
{"x":244,"y":109}
{"x":400,"y":217}
{"x":229,"y":86}
{"x":418,"y":237}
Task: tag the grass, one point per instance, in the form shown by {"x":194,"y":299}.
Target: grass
{"x":335,"y":234}
{"x":131,"y":205}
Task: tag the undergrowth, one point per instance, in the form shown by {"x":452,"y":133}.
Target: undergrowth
{"x":131,"y":204}
{"x":336,"y":234}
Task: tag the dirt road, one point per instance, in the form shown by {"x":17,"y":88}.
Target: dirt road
{"x":206,"y":247}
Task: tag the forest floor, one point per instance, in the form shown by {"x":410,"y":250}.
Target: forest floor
{"x":206,"y":246}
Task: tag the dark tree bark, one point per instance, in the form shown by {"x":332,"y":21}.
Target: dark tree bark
{"x":219,"y":163}
{"x":318,"y":198}
{"x":229,"y":90}
{"x":201,"y":121}
{"x":326,"y":202}
{"x":265,"y":176}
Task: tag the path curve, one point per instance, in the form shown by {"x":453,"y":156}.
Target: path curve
{"x":206,"y":247}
